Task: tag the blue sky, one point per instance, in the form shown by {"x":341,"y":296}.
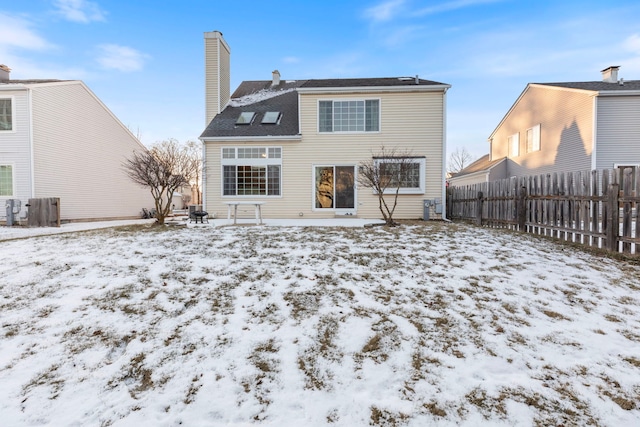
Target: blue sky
{"x":144,"y":59}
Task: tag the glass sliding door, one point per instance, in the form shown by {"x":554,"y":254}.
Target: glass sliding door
{"x":335,"y":187}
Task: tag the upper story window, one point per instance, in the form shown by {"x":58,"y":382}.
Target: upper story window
{"x":514,"y":145}
{"x":349,"y":116}
{"x":533,"y":139}
{"x":6,"y":114}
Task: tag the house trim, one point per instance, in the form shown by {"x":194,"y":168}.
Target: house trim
{"x":594,"y":136}
{"x":233,"y":139}
{"x":368,"y":89}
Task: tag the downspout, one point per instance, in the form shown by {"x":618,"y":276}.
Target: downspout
{"x":31,"y":150}
{"x":444,"y":155}
{"x":204,"y":176}
{"x":594,"y":137}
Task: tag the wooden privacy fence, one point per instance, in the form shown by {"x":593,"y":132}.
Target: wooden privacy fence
{"x":595,"y":208}
{"x":44,"y":212}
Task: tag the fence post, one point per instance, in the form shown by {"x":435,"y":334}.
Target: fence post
{"x":479,"y":209}
{"x":521,"y":208}
{"x":612,"y":225}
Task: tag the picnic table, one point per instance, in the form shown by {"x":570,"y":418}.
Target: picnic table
{"x":235,"y":204}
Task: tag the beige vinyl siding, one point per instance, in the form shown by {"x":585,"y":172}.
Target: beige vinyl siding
{"x":217,"y":75}
{"x":79,"y":148}
{"x":15,"y":148}
{"x":566,"y":131}
{"x":618,"y":131}
{"x":408,"y":120}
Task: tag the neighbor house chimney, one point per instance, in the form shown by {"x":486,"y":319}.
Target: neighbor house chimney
{"x":275,"y":78}
{"x":4,"y":73}
{"x":610,"y":74}
{"x":217,"y":74}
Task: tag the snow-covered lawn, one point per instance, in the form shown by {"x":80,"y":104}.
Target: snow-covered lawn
{"x":433,"y":324}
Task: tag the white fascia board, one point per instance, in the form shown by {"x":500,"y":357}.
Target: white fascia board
{"x":367,"y":89}
{"x":619,"y":93}
{"x":234,"y":139}
{"x":13,"y":86}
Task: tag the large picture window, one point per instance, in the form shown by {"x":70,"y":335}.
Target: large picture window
{"x":251,"y":171}
{"x":6,"y":181}
{"x":6,"y":114}
{"x":349,"y":116}
{"x":409,"y":171}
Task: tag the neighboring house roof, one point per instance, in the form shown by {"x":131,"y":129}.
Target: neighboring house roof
{"x":262,"y":96}
{"x":483,"y":164}
{"x":597,"y":86}
{"x":32,"y":81}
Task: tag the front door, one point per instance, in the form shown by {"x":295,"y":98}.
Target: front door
{"x":335,"y":188}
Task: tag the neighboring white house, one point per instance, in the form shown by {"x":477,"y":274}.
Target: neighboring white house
{"x":296,"y":144}
{"x":568,"y":127}
{"x":57,"y":139}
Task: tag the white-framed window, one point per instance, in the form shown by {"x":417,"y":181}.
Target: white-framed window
{"x":514,"y":145}
{"x":251,"y":171}
{"x":533,"y":139}
{"x":361,"y":115}
{"x":6,"y":114}
{"x":409,"y":170}
{"x":334,"y":187}
{"x":7,"y":181}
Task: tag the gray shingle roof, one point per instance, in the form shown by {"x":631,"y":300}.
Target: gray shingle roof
{"x":598,"y":85}
{"x":260,"y":96}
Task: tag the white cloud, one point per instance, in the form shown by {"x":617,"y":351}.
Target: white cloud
{"x":16,"y":32}
{"x":122,"y":58}
{"x":291,"y":60}
{"x":384,"y":11}
{"x":632,"y":43}
{"x":452,"y":5}
{"x":82,"y":11}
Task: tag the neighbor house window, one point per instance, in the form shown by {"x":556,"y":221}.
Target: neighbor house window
{"x":6,"y":114}
{"x":349,"y":116}
{"x":251,"y":171}
{"x":6,"y":181}
{"x":514,"y":145}
{"x":533,"y":139}
{"x":408,"y":172}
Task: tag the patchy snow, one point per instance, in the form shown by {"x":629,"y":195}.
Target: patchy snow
{"x":283,"y":325}
{"x":255,"y":97}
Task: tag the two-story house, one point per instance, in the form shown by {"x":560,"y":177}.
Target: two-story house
{"x":564,"y":127}
{"x":57,"y":139}
{"x":296,"y":145}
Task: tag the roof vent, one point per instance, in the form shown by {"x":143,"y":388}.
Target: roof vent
{"x":610,"y":74}
{"x":276,"y":78}
{"x":5,"y":73}
{"x":417,"y":80}
{"x":621,"y":82}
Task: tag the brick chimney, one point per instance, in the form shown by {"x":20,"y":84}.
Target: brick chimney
{"x":217,"y":74}
{"x":275,"y":78}
{"x":5,"y":73}
{"x":610,"y":74}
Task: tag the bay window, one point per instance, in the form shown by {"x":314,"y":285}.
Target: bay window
{"x":251,"y":171}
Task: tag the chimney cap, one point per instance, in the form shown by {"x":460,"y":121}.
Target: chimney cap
{"x":610,"y":67}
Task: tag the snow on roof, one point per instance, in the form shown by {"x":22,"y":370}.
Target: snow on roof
{"x":255,"y":97}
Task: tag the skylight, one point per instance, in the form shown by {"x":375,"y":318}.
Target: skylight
{"x":245,"y":118}
{"x":271,"y":117}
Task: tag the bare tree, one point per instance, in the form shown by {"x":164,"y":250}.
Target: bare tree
{"x":459,"y":160}
{"x":194,"y":151}
{"x":386,"y":173}
{"x":163,"y":168}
